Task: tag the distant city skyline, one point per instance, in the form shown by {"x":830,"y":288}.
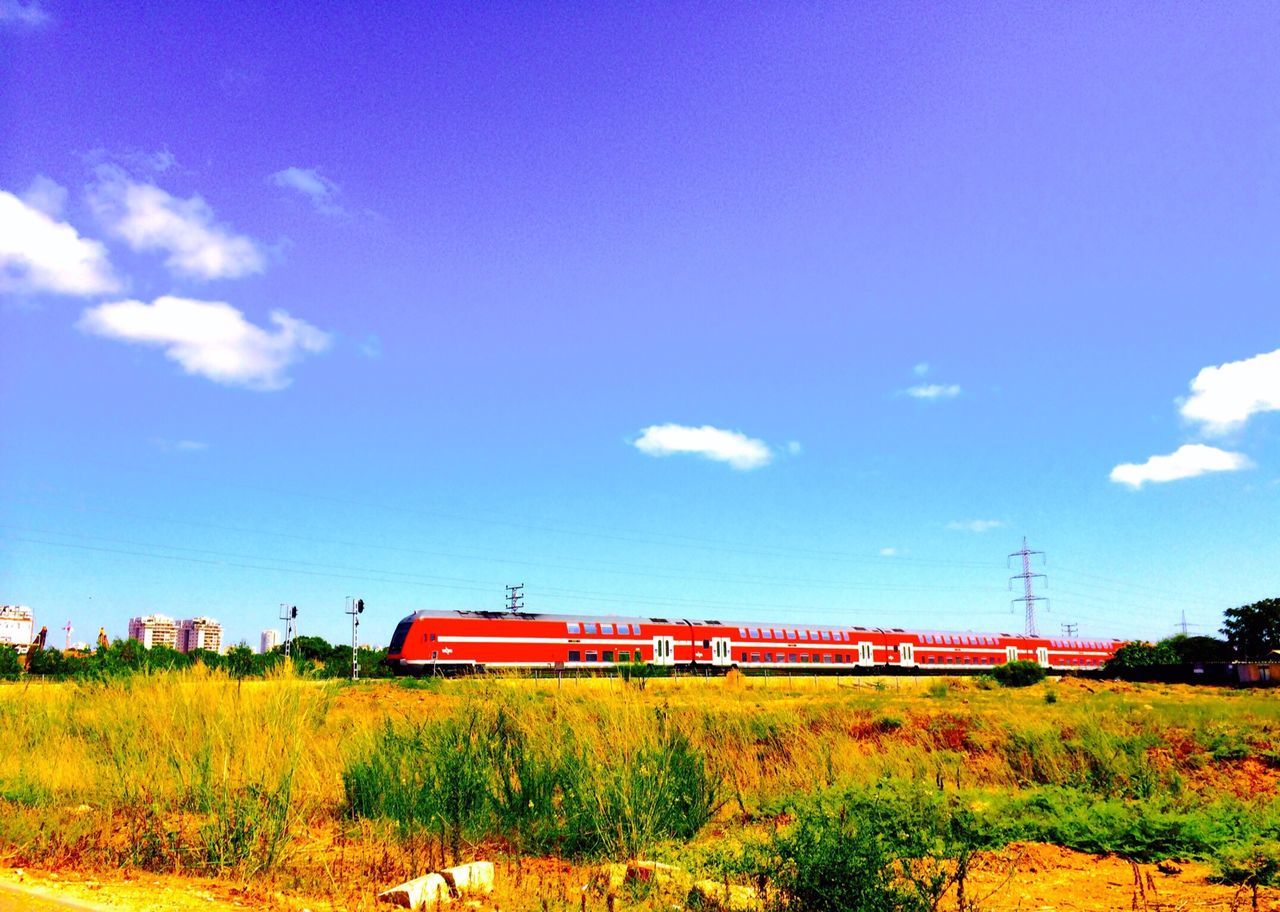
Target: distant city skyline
{"x":771,"y":314}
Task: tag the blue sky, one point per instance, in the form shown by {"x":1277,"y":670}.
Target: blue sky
{"x":782,"y":312}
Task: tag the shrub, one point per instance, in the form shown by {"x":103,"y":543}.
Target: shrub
{"x":546,"y":784}
{"x":1022,"y":673}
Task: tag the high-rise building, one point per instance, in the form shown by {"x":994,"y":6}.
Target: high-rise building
{"x":154,"y":630}
{"x":200,"y":633}
{"x":270,"y":640}
{"x":16,"y":623}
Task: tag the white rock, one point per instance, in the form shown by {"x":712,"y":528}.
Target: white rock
{"x":475,"y":877}
{"x":415,"y":894}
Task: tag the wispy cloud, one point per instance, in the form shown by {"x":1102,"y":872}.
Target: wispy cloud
{"x":921,"y":369}
{"x":210,"y":338}
{"x":975,"y":525}
{"x":16,"y":14}
{"x":1225,"y":396}
{"x":148,"y":218}
{"x":1187,"y":461}
{"x":888,"y":552}
{"x":321,"y":191}
{"x":933,"y":391}
{"x":47,"y":195}
{"x":732,"y":447}
{"x":180,"y":446}
{"x":40,"y":254}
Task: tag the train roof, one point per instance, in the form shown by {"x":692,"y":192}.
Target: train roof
{"x":636,"y":619}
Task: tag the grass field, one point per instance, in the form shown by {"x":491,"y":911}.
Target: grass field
{"x":825,"y":792}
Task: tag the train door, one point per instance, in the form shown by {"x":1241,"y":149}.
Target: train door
{"x":663,"y":651}
{"x":907,"y":654}
{"x":1011,"y":653}
{"x":866,"y":654}
{"x":720,"y":651}
{"x":1042,"y":655}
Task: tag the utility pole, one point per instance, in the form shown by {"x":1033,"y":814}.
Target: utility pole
{"x":355,"y":608}
{"x":1070,"y":630}
{"x":1029,"y":598}
{"x":289,"y":614}
{"x":515,"y":598}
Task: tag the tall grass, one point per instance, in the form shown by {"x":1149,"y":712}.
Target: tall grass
{"x":547,"y":778}
{"x":195,"y":769}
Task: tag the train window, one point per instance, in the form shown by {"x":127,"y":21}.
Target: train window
{"x":744,"y":657}
{"x":768,"y":656}
{"x":574,"y":628}
{"x":804,"y":657}
{"x":624,"y":656}
{"x":608,"y":655}
{"x":433,"y":637}
{"x":592,"y":656}
{"x":755,"y":657}
{"x":742,"y":632}
{"x":624,"y":629}
{"x":589,"y":628}
{"x":606,"y":629}
{"x":575,"y":655}
{"x":755,"y":633}
{"x":635,"y":630}
{"x":839,"y":659}
{"x":434,"y":655}
{"x":930,"y":660}
{"x":826,"y":634}
{"x":826,"y":657}
{"x":813,"y":634}
{"x":804,"y":635}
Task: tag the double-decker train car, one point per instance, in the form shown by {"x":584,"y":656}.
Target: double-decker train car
{"x":450,"y":642}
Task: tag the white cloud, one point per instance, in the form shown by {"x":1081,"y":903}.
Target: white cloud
{"x":27,"y":15}
{"x":933,"y":391}
{"x":148,"y":218}
{"x":1223,"y":397}
{"x":180,"y":446}
{"x":794,"y":447}
{"x":921,"y":369}
{"x":47,"y":195}
{"x":975,"y":525}
{"x":888,"y":552}
{"x":735,"y":448}
{"x":1187,"y":461}
{"x":41,"y":254}
{"x":312,"y":184}
{"x":210,"y":338}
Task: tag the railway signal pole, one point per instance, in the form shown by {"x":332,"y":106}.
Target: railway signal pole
{"x":289,"y":614}
{"x":355,"y":608}
{"x":515,"y":598}
{"x":1029,"y":598}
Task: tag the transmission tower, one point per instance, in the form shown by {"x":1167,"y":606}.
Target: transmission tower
{"x":1029,"y":598}
{"x":1070,"y":630}
{"x":515,"y":598}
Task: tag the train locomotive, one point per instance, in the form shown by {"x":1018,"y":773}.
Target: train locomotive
{"x":453,"y":642}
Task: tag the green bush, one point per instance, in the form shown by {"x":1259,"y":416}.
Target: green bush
{"x":486,"y":773}
{"x":885,"y":850}
{"x":1022,"y":673}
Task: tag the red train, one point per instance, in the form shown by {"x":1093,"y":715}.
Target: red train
{"x":444,"y":642}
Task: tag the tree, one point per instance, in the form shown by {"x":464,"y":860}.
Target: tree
{"x":1194,"y":649}
{"x":1253,"y":630}
{"x":10,"y":664}
{"x":1141,"y":655}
